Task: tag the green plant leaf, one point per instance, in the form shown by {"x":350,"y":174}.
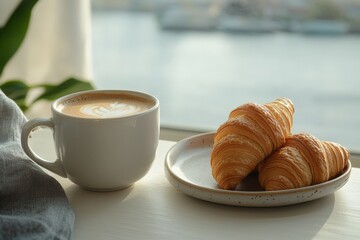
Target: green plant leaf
{"x":70,"y":85}
{"x":13,"y":32}
{"x":17,"y":90}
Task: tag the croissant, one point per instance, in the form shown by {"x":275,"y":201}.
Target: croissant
{"x":302,"y":161}
{"x":251,"y":133}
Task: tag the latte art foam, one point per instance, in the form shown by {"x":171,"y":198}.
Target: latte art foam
{"x":104,"y":105}
{"x":113,"y":109}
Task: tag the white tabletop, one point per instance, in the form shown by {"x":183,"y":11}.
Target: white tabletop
{"x":153,"y":209}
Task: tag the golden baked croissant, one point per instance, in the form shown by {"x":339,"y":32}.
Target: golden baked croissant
{"x":252,"y":132}
{"x":302,"y":161}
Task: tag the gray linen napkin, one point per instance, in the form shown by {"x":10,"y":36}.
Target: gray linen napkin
{"x":32,"y":204}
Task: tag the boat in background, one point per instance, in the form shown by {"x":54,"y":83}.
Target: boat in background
{"x":320,"y":27}
{"x":248,"y":25}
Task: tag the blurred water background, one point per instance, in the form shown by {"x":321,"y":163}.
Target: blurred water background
{"x":200,"y":72}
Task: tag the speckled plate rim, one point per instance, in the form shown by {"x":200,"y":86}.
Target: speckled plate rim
{"x":251,"y":198}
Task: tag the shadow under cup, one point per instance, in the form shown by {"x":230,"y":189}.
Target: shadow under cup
{"x":105,"y":139}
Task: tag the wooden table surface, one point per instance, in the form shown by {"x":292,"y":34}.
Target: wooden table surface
{"x":153,"y":209}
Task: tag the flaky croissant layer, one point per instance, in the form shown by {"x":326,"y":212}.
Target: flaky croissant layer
{"x":302,"y":161}
{"x":252,"y":132}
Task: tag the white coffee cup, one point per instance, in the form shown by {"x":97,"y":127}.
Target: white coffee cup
{"x":105,"y":139}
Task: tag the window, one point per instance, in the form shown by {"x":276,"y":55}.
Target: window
{"x":204,"y":58}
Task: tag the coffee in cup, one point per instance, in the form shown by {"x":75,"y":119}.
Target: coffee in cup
{"x":104,"y":139}
{"x":104,"y":105}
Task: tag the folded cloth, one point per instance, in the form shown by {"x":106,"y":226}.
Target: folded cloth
{"x":33,"y":205}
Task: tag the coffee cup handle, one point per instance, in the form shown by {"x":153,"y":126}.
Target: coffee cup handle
{"x":55,"y":166}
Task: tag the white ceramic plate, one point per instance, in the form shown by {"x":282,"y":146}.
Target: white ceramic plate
{"x":187,"y":167}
